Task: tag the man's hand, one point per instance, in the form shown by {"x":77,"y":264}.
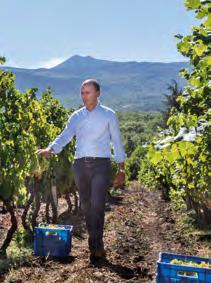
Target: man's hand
{"x":119,"y":179}
{"x":45,"y":152}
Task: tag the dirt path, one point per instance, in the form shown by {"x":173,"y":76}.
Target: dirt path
{"x":138,"y":226}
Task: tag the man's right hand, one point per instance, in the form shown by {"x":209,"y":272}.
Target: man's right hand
{"x":45,"y":152}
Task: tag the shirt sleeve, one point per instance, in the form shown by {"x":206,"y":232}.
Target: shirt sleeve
{"x":119,"y":153}
{"x":65,"y":137}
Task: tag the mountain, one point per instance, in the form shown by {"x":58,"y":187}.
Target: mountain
{"x":126,"y":86}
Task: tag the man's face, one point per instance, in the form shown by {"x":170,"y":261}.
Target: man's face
{"x":89,"y":94}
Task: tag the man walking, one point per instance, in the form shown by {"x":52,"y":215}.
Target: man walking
{"x":94,"y":126}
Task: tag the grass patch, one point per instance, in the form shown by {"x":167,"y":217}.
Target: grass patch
{"x":20,"y":251}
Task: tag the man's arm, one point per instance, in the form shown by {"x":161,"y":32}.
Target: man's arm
{"x":119,"y":153}
{"x":65,"y":137}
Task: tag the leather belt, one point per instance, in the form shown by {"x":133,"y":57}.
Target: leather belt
{"x":90,"y":158}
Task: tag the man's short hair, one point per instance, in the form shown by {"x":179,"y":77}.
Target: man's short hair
{"x":92,"y":82}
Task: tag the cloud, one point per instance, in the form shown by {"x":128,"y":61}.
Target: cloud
{"x":42,"y":64}
{"x":51,"y":63}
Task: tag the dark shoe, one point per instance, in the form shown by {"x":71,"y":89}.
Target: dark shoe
{"x":98,"y":256}
{"x":98,"y":261}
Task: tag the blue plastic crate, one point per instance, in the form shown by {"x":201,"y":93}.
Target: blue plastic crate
{"x":52,"y":242}
{"x":172,"y":273}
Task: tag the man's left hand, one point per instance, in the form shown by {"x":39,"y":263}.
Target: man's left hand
{"x":119,"y":179}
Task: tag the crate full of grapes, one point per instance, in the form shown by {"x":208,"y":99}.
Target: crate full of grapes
{"x":52,"y":240}
{"x":176,"y":268}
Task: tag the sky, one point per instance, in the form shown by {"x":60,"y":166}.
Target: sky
{"x":43,"y":33}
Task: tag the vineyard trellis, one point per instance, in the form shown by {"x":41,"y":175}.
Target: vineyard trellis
{"x":179,"y":164}
{"x":27,"y":124}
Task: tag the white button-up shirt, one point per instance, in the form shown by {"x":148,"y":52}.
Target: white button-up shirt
{"x":94,"y":131}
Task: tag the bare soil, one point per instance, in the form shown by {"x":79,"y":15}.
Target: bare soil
{"x":138,"y":225}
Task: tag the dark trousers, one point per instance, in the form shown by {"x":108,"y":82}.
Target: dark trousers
{"x":92,"y":179}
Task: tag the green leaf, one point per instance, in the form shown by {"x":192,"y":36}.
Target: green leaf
{"x":202,"y":12}
{"x":192,"y":4}
{"x":200,"y":49}
{"x":207,"y":23}
{"x":156,"y":158}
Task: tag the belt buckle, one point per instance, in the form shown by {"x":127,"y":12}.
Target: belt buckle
{"x":85,"y":159}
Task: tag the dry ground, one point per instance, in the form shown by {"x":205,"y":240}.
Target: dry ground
{"x":138,"y":226}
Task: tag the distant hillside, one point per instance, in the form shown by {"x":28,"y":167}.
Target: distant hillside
{"x":131,"y":86}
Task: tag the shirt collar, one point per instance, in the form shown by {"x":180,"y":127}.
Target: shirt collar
{"x":96,"y":107}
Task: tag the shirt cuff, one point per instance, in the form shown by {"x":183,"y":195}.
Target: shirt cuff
{"x":51,"y":147}
{"x":120,"y":159}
